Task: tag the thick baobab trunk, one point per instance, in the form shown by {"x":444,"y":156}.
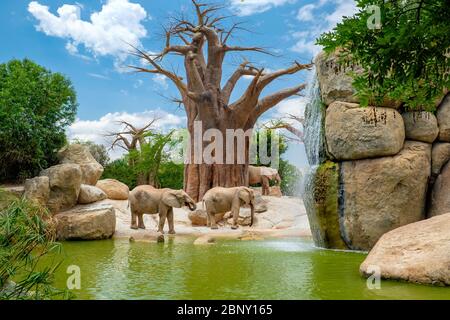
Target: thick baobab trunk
{"x":201,"y":175}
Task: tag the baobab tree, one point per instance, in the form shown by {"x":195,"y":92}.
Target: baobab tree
{"x":202,"y":42}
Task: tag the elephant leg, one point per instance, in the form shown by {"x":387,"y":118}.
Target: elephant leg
{"x":141,"y":221}
{"x":265,"y":186}
{"x":235,"y":219}
{"x":162,"y":219}
{"x":171,"y":222}
{"x":208,"y":220}
{"x":134,"y":224}
{"x":212,"y":219}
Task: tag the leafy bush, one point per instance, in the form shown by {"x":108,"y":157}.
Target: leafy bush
{"x":122,"y":171}
{"x":406,"y":59}
{"x":26,"y":238}
{"x":290,"y":178}
{"x":36,"y":106}
{"x":171,"y":175}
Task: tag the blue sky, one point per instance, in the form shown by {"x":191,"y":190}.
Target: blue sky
{"x":86,"y":40}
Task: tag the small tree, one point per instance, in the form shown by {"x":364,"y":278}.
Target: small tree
{"x":36,"y":106}
{"x":406,"y":57}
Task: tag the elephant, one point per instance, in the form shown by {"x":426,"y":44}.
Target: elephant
{"x":222,"y":200}
{"x":149,"y":200}
{"x":263,"y":175}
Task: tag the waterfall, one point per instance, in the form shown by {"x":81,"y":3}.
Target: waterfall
{"x":315,"y":152}
{"x":313,"y":128}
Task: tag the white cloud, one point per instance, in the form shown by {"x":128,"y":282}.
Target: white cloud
{"x":106,"y":33}
{"x":95,"y":130}
{"x":319,"y":21}
{"x":294,"y":106}
{"x":98,"y":76}
{"x":249,"y":7}
{"x":161,"y":80}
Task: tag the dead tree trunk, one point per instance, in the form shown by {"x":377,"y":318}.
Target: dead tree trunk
{"x":206,"y":100}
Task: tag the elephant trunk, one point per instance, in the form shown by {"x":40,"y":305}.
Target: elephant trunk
{"x":252,"y":213}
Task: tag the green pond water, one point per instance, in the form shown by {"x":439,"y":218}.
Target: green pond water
{"x":270,"y":269}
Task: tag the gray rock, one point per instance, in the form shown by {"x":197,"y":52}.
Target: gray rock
{"x":65,"y":184}
{"x":79,"y":154}
{"x":418,"y":252}
{"x":90,"y":194}
{"x":443,"y":118}
{"x":88,"y":222}
{"x":440,"y":155}
{"x":354,"y":133}
{"x":37,"y":190}
{"x":379,"y":195}
{"x":440,"y":194}
{"x":421,"y":126}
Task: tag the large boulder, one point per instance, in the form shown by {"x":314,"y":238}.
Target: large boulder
{"x":440,"y":155}
{"x":336,"y":80}
{"x":89,"y":222}
{"x":114,"y":189}
{"x":90,"y":194}
{"x":379,"y":195}
{"x":199,"y":217}
{"x":37,"y":190}
{"x":418,"y":252}
{"x":420,"y":126}
{"x":354,"y":133}
{"x":443,"y":118}
{"x":65,"y":184}
{"x":440,"y":195}
{"x":79,"y":154}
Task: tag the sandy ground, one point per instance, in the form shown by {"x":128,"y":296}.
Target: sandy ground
{"x":285,"y":217}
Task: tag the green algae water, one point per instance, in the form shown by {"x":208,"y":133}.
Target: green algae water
{"x":269,"y":269}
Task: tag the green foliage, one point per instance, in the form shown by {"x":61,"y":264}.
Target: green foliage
{"x":36,"y":106}
{"x":121,"y":170}
{"x":407,"y":59}
{"x":149,"y":165}
{"x":171,"y":175}
{"x":26,"y":238}
{"x":98,"y":151}
{"x":290,"y":178}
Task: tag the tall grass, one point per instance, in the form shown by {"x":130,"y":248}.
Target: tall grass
{"x":27,"y":237}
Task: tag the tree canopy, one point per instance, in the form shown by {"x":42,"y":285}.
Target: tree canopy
{"x":406,"y":57}
{"x":36,"y":106}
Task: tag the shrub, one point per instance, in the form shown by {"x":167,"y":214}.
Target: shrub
{"x":36,"y":106}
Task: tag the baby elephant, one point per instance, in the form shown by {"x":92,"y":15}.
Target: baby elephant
{"x":149,"y":200}
{"x":222,"y":200}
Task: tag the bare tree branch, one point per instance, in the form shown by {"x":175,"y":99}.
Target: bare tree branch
{"x":272,"y":100}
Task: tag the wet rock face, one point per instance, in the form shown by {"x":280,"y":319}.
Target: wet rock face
{"x":354,"y":133}
{"x":418,"y":252}
{"x":421,"y":126}
{"x":65,"y":184}
{"x":443,"y":117}
{"x":379,"y":195}
{"x":79,"y":154}
{"x":440,"y":194}
{"x":89,"y":222}
{"x":322,"y":206}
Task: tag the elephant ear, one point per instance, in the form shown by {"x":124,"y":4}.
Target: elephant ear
{"x":170,"y":199}
{"x":245,"y":195}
